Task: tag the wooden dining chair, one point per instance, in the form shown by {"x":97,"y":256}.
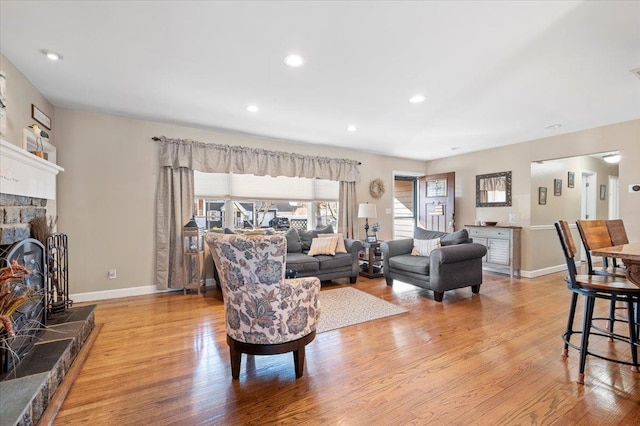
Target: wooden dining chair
{"x":595,"y":235}
{"x":594,"y":287}
{"x":617,"y":233}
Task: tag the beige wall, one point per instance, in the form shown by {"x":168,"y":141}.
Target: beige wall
{"x":20,"y":95}
{"x":107,"y":192}
{"x":624,"y":137}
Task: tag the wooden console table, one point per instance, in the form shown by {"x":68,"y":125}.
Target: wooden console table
{"x":503,"y":247}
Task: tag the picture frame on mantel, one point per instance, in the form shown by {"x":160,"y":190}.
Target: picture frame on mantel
{"x":42,"y":118}
{"x":542,"y":195}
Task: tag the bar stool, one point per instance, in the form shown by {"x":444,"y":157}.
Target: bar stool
{"x":594,"y":287}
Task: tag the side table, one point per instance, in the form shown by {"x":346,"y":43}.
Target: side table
{"x":373,"y":257}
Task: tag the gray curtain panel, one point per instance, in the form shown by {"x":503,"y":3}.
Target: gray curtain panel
{"x":173,"y":211}
{"x":348,"y":208}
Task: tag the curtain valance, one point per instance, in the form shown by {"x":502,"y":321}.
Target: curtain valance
{"x":216,"y":158}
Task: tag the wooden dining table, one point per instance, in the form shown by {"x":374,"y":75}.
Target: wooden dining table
{"x":630,"y":256}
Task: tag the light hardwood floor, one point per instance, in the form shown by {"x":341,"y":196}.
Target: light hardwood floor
{"x":487,"y":359}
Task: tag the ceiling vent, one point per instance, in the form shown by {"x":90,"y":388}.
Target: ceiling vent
{"x":636,"y":72}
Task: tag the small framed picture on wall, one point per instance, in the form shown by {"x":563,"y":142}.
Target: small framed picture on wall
{"x":557,"y":187}
{"x":542,"y":195}
{"x":603,"y":192}
{"x":571,"y":177}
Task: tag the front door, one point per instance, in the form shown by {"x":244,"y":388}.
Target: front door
{"x":437,"y":202}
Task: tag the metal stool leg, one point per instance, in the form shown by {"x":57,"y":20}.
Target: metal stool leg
{"x":586,"y":329}
{"x":569,"y":332}
{"x":633,"y":334}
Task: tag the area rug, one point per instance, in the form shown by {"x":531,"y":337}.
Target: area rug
{"x":347,"y":306}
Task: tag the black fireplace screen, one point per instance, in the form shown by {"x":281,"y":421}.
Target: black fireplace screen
{"x":31,"y":317}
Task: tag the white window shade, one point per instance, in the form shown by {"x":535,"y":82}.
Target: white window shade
{"x":243,"y":186}
{"x":325,"y":190}
{"x":212,"y":185}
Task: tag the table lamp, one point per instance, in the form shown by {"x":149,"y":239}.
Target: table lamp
{"x":366,"y":210}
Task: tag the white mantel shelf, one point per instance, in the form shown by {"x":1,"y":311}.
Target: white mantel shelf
{"x":22,"y":173}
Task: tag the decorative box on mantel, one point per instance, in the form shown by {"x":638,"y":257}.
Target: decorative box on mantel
{"x":24,"y":174}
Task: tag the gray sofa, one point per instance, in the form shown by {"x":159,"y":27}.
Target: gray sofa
{"x":325,"y":267}
{"x":456,"y":264}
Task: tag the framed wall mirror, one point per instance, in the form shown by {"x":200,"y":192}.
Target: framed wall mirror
{"x":493,"y":190}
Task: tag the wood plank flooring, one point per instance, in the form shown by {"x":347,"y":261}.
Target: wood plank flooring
{"x":487,"y":359}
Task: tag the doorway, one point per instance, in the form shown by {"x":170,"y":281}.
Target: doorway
{"x":404,"y":206}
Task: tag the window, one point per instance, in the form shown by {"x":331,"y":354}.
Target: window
{"x":258,"y":201}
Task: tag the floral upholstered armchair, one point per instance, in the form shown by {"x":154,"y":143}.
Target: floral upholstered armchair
{"x":264,"y":312}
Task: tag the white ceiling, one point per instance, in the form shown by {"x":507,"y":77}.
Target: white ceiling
{"x":493,"y":73}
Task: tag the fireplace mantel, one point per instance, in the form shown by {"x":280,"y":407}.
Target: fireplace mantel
{"x":22,"y":173}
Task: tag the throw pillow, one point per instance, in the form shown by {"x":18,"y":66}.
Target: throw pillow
{"x":229,"y":231}
{"x":425,"y":234}
{"x":326,"y":230}
{"x":305,"y":239}
{"x":424,"y":247}
{"x":458,"y":237}
{"x":293,"y":241}
{"x":340,"y":248}
{"x":323,"y":246}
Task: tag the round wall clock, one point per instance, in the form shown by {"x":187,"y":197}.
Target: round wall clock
{"x":376,"y":188}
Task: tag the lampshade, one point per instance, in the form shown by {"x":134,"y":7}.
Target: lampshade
{"x":366,"y":210}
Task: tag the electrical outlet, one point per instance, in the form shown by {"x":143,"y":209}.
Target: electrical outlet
{"x":634,"y":188}
{"x":112,"y":274}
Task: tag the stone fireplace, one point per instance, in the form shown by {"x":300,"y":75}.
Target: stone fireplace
{"x":28,"y":191}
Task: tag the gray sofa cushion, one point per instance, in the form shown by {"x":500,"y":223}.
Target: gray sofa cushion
{"x":458,"y":237}
{"x":305,"y":239}
{"x":408,"y":263}
{"x":423,"y":234}
{"x":293,"y":241}
{"x":326,"y":230}
{"x":302,"y":263}
{"x":340,"y":260}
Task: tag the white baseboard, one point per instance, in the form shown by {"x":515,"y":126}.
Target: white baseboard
{"x":127,"y":292}
{"x":115,"y":293}
{"x":547,"y":271}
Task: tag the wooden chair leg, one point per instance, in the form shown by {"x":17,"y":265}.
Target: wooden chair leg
{"x":298,"y":360}
{"x":236,"y":359}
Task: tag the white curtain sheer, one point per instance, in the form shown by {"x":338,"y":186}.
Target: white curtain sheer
{"x":179,"y":158}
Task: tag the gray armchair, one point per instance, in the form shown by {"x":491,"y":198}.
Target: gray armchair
{"x":456,"y":264}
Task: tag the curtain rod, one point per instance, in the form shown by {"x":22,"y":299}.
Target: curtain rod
{"x":155,"y":138}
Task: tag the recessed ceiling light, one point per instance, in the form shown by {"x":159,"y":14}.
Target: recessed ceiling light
{"x":352,"y":128}
{"x":252,"y":108}
{"x":51,"y":55}
{"x":294,"y":61}
{"x":554,"y":126}
{"x":416,"y":99}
